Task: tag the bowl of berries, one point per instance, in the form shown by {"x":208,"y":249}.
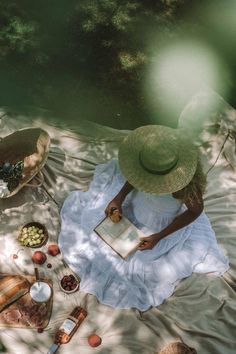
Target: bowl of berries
{"x":69,"y":283}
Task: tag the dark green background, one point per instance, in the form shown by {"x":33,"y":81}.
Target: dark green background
{"x":90,"y":59}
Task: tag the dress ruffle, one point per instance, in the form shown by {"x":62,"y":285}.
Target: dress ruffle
{"x":147,"y":277}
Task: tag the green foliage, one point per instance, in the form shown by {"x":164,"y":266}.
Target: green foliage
{"x":116,"y":31}
{"x":114,"y":13}
{"x":55,"y":53}
{"x":129,"y":62}
{"x":17,"y":35}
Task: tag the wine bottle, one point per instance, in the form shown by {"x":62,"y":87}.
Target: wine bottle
{"x":68,"y":328}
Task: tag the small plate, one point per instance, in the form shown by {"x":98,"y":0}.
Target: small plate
{"x":40,"y":226}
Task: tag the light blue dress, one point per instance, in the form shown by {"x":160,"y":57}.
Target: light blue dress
{"x":147,"y":277}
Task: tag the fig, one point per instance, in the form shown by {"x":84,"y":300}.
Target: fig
{"x":53,"y":250}
{"x":39,"y":257}
{"x":94,"y":340}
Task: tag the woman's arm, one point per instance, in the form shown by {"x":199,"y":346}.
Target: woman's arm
{"x":117,"y":201}
{"x":194,"y":209}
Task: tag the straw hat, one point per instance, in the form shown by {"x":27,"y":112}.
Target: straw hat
{"x":177,"y":348}
{"x":157,"y":159}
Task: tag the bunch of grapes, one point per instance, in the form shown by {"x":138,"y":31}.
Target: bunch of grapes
{"x":11,"y":174}
{"x":31,"y":236}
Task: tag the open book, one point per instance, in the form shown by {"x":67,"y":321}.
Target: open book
{"x":122,"y":237}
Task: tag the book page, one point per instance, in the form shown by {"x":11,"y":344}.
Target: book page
{"x":123,"y":236}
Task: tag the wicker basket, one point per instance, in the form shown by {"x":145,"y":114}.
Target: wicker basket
{"x":30,"y":145}
{"x":177,"y":348}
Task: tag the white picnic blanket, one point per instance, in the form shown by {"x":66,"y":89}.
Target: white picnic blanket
{"x":201,"y":312}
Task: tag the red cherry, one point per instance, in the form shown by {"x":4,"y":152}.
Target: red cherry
{"x":94,"y":340}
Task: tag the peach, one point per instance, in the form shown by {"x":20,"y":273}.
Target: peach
{"x":53,"y":250}
{"x":94,"y":340}
{"x":39,"y":257}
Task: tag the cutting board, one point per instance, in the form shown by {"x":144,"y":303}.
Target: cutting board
{"x":26,"y":313}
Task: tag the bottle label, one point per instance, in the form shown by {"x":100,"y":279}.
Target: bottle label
{"x":67,"y":326}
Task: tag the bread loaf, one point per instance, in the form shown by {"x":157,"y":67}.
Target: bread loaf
{"x":115,"y":216}
{"x":12,"y":287}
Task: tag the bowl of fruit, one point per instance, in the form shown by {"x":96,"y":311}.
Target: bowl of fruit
{"x":33,"y":235}
{"x":69,"y":283}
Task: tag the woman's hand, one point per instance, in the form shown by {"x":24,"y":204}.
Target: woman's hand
{"x":147,"y":243}
{"x":114,"y":204}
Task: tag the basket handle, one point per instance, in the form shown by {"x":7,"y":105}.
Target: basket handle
{"x":39,"y":177}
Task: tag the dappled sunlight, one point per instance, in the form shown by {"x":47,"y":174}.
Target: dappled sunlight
{"x":72,"y":157}
{"x":178,"y":317}
{"x":70,"y":166}
{"x":208,"y":119}
{"x":206,"y":110}
{"x":16,"y":338}
{"x":221,"y":183}
{"x":65,"y":160}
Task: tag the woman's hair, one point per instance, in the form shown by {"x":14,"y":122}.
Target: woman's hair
{"x":195,"y":189}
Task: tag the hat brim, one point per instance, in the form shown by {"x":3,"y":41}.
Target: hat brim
{"x":141,"y":179}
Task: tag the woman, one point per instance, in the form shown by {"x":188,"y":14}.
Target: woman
{"x":157,"y":184}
